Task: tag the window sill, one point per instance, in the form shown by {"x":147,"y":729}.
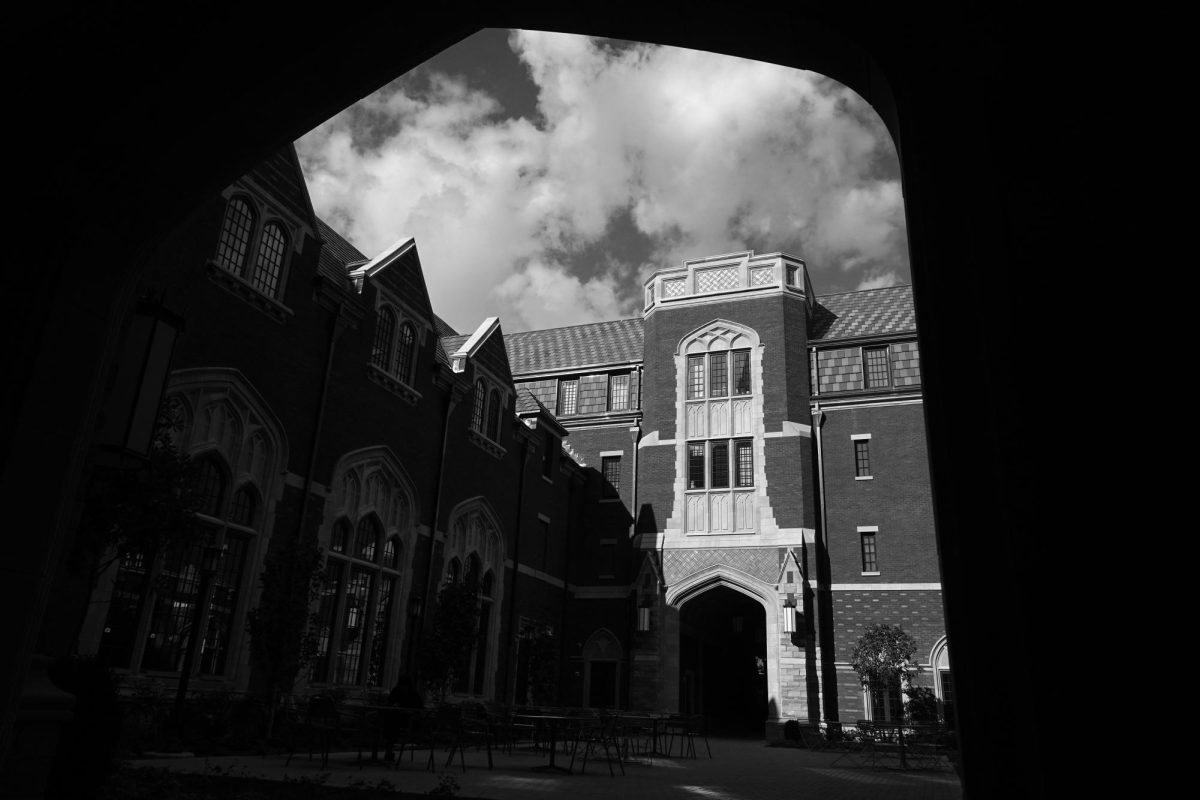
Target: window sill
{"x":238,"y":286}
{"x":610,"y":499}
{"x":870,"y":574}
{"x":393,"y":384}
{"x":864,"y":477}
{"x":486,"y":444}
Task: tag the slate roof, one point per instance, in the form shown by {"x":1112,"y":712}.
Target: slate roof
{"x":443,"y":327}
{"x":336,"y":254}
{"x":614,"y":342}
{"x":450,"y":345}
{"x":871,"y":312}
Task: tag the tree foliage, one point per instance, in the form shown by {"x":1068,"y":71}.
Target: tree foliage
{"x":446,"y":644}
{"x":145,"y":509}
{"x":883,"y":656}
{"x":283,"y":636}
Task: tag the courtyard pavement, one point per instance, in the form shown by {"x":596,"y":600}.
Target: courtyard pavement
{"x":740,"y":769}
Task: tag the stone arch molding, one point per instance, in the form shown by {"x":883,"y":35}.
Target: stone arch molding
{"x":602,"y":645}
{"x":718,"y":334}
{"x":474,"y":527}
{"x":224,"y":414}
{"x":372,"y":480}
{"x":717,"y":575}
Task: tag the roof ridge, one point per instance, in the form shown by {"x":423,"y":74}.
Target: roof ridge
{"x":580,"y":325}
{"x":864,"y":291}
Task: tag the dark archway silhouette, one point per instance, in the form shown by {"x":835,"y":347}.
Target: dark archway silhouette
{"x":129,"y":121}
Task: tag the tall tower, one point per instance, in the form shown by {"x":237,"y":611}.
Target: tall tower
{"x":726,"y":492}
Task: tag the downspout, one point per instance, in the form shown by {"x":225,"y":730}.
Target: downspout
{"x":452,"y":399}
{"x":821,"y":598}
{"x":335,"y":329}
{"x":514,"y":635}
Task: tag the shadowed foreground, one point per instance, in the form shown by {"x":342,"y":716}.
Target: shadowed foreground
{"x":740,"y":770}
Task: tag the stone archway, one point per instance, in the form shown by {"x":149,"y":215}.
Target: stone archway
{"x":729,"y":633}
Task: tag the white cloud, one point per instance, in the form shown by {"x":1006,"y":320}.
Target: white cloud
{"x":709,"y":154}
{"x":879,"y":281}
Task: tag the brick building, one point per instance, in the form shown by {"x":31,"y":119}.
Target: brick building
{"x":697,"y":509}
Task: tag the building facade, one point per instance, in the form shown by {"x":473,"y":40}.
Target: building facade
{"x":698,"y":509}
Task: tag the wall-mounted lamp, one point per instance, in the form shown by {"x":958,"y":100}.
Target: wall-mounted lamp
{"x":131,"y":408}
{"x":789,"y":614}
{"x":643,"y":619}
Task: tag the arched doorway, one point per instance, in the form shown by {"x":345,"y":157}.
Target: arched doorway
{"x":723,"y":661}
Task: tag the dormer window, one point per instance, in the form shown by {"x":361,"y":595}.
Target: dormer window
{"x":393,"y":352}
{"x":256,"y":254}
{"x":487,"y":413}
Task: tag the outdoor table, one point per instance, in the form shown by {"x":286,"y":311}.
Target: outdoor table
{"x":553,"y":721}
{"x":654,"y":720}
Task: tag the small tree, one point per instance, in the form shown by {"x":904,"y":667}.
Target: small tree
{"x":883,"y":658}
{"x":283,"y":638}
{"x":448,"y":642}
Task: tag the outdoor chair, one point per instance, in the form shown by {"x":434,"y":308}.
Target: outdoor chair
{"x":686,"y":727}
{"x":594,"y":732}
{"x":440,"y":728}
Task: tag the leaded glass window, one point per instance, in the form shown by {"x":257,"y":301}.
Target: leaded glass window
{"x":366,"y":543}
{"x":385,"y":331}
{"x":695,"y":379}
{"x":567,"y":396}
{"x":405,"y":351}
{"x":870,"y":561}
{"x":862,"y":458}
{"x":878,"y":367}
{"x":236,"y":231}
{"x":494,"y":411}
{"x":269,"y":265}
{"x":618,"y":393}
{"x":718,"y":375}
{"x":480,"y":402}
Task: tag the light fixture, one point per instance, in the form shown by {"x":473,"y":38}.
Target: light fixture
{"x":789,"y":613}
{"x":130,"y":412}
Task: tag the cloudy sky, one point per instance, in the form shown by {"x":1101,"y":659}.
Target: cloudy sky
{"x":545,"y":176}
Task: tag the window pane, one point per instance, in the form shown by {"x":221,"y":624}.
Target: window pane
{"x":741,"y":371}
{"x":241,"y":511}
{"x":404,"y":353}
{"x":878,"y":371}
{"x":341,"y":536}
{"x":389,"y":554}
{"x":215,"y":646}
{"x":618,"y":393}
{"x":719,"y":465}
{"x":495,"y":407}
{"x":174,"y":606}
{"x":862,"y":458}
{"x":353,"y":622}
{"x":210,"y":486}
{"x":869,"y":561}
{"x":744,"y":464}
{"x":367,"y":541}
{"x":330,"y":588}
{"x":480,"y":401}
{"x":695,"y":377}
{"x":695,"y":466}
{"x":379,"y":637}
{"x":567,"y":391}
{"x":385,"y":332}
{"x":269,"y":266}
{"x":611,"y":469}
{"x":718,"y":375}
{"x":235,"y":235}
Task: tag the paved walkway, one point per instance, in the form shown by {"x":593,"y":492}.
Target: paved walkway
{"x":739,"y":770}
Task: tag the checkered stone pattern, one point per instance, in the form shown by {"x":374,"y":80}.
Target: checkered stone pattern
{"x":716,"y":280}
{"x":840,"y":370}
{"x":761,"y":562}
{"x":763,"y":276}
{"x":906,"y":364}
{"x":673,"y":288}
{"x":546,"y":392}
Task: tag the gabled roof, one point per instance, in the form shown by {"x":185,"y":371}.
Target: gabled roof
{"x":336,"y":255}
{"x":576,"y":346}
{"x":871,"y":312}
